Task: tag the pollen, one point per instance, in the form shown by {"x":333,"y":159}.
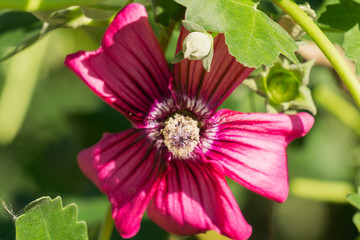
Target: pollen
{"x":181,"y":135}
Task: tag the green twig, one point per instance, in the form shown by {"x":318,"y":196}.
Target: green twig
{"x":338,"y":106}
{"x":325,"y":46}
{"x":38,"y":5}
{"x":107,"y":21}
{"x":108,"y":6}
{"x":252,"y":101}
{"x":20,"y":81}
{"x":100,"y":22}
{"x":107,"y":226}
{"x":166,"y":35}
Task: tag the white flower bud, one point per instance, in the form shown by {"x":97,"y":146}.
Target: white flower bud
{"x":197,"y":45}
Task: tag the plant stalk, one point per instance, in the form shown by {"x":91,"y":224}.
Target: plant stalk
{"x":339,"y":106}
{"x":336,"y":60}
{"x":107,"y":226}
{"x":108,"y":6}
{"x":23,"y":72}
{"x":39,"y":5}
{"x":165,"y":36}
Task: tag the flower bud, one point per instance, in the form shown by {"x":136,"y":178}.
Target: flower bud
{"x":283,"y":85}
{"x":197,"y":45}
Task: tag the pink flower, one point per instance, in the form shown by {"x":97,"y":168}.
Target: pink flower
{"x":175,"y":158}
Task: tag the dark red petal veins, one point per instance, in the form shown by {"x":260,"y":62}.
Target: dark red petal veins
{"x":202,"y":92}
{"x":251,"y":148}
{"x":128,"y":71}
{"x":194,"y":198}
{"x":127,"y":168}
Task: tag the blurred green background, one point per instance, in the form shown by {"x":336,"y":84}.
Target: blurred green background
{"x":51,"y":115}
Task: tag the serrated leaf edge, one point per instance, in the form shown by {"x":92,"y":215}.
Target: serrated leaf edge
{"x":58,"y":199}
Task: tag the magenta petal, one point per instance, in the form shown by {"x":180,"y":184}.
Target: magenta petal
{"x":125,"y":166}
{"x":251,"y":148}
{"x":128,"y":71}
{"x":201,"y":91}
{"x":195,"y":198}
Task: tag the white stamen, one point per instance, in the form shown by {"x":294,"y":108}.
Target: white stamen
{"x":181,"y":135}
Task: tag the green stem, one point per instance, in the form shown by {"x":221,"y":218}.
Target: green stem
{"x":166,"y":35}
{"x":107,"y":21}
{"x":101,"y":22}
{"x":108,"y":6}
{"x":334,"y":57}
{"x":23,"y":72}
{"x":40,"y":5}
{"x":252,"y":101}
{"x":107,"y":226}
{"x":105,"y":7}
{"x":338,"y":106}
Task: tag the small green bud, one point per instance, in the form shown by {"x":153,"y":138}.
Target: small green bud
{"x":283,"y":85}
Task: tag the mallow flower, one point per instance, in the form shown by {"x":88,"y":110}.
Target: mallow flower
{"x":174,"y":159}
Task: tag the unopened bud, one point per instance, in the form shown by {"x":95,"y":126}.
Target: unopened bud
{"x":283,"y":85}
{"x":197,"y":45}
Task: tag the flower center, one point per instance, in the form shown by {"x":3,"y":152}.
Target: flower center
{"x":181,"y":135}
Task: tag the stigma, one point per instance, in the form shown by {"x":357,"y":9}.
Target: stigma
{"x":181,"y":135}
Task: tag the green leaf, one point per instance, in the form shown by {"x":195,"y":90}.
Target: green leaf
{"x":193,"y":27}
{"x":356,"y":220}
{"x":252,"y":37}
{"x":178,"y":57}
{"x":342,"y":16}
{"x":166,"y":10}
{"x":46,"y":219}
{"x":16,"y":27}
{"x":18,"y":30}
{"x":206,"y":61}
{"x":352,"y":46}
{"x":354,"y":199}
